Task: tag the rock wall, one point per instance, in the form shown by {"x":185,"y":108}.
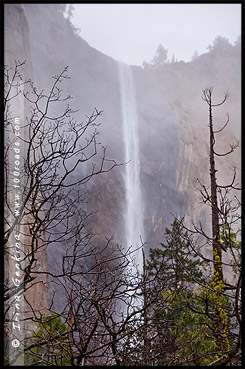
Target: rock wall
{"x":17,"y":48}
{"x":173,"y":120}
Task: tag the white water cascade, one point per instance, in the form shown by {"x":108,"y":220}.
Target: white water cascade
{"x":134,"y":211}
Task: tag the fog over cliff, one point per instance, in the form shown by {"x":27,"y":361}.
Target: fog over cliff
{"x":173,"y":135}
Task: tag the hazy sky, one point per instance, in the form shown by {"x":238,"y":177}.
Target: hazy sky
{"x":132,"y":32}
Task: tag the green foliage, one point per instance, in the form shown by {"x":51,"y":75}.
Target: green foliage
{"x":175,"y":264}
{"x":192,"y":336}
{"x":53,"y":347}
{"x":187,"y":311}
{"x":178,"y":324}
{"x":228,"y":239}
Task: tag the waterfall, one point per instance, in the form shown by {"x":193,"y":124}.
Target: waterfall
{"x":133,"y":214}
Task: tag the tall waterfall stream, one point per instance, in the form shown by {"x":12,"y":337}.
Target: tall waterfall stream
{"x":134,"y":211}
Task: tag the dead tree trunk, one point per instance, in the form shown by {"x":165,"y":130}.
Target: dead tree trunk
{"x":145,"y":330}
{"x":220,"y":314}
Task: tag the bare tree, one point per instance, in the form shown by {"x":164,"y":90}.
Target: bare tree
{"x":102,"y":304}
{"x":48,"y":161}
{"x":221,"y":296}
{"x":111,"y":314}
{"x":200,"y":294}
{"x":102,"y":311}
{"x":217,"y":222}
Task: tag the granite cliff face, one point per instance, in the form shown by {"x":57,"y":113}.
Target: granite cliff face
{"x":17,"y":48}
{"x":173,"y":119}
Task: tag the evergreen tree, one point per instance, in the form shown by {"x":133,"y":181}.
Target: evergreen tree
{"x":51,"y":344}
{"x":175,"y":263}
{"x":159,"y":59}
{"x":220,"y":44}
{"x":172,"y":273}
{"x":195,"y":55}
